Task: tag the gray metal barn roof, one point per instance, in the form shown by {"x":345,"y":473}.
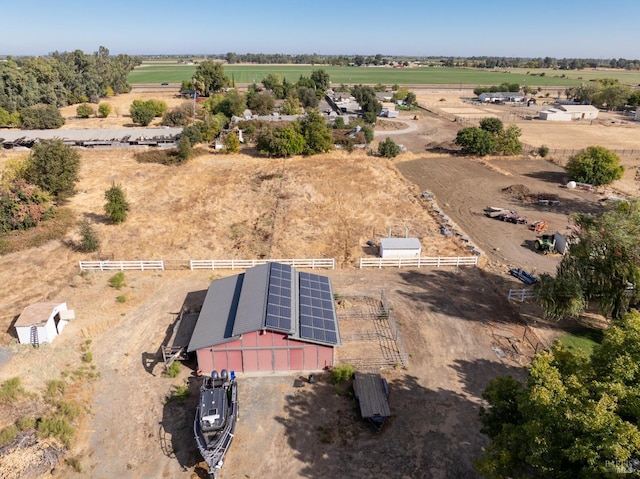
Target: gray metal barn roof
{"x":272,"y":297}
{"x":89,"y":134}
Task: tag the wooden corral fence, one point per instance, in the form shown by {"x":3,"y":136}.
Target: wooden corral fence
{"x":437,"y":261}
{"x":521,"y":295}
{"x":141,"y":265}
{"x":329,"y":263}
{"x":155,"y":265}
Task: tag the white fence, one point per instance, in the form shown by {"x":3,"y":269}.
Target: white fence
{"x":436,"y":261}
{"x":520,"y":295}
{"x":153,"y":265}
{"x":313,"y":263}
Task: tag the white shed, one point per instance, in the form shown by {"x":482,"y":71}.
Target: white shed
{"x":580,"y":112}
{"x":42,"y":322}
{"x":554,"y":114}
{"x":400,"y":248}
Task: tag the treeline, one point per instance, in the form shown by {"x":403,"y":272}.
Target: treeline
{"x":61,"y":79}
{"x":471,"y":62}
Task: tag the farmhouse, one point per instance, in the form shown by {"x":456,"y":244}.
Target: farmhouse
{"x":500,"y":97}
{"x":42,"y":322}
{"x":270,"y":318}
{"x":569,"y":112}
{"x":400,"y":248}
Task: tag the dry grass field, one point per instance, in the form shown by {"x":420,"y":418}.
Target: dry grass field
{"x":242,"y":206}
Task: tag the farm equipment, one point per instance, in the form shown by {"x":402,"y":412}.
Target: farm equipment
{"x":538,"y":226}
{"x":524,"y":276}
{"x":513,"y":217}
{"x":495,"y":211}
{"x":555,"y":243}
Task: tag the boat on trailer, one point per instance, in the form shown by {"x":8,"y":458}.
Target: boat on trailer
{"x":216,"y":417}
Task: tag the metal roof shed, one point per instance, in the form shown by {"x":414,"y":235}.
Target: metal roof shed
{"x":400,"y":248}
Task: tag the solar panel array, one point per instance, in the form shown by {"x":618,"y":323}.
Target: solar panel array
{"x":317,"y":317}
{"x":279,"y":298}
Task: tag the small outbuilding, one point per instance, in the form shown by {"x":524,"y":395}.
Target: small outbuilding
{"x":270,"y":318}
{"x":501,"y":97}
{"x":400,"y":248}
{"x":42,"y":322}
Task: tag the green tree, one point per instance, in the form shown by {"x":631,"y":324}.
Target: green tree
{"x":179,"y":116}
{"x":104,"y":109}
{"x":307,"y":97}
{"x":602,"y":265}
{"x":410,"y":99}
{"x":194,"y":133}
{"x":8,"y":119}
{"x":595,"y":165}
{"x":476,"y":141}
{"x":368,"y":134}
{"x":231,"y":142}
{"x":316,"y":134}
{"x":41,"y":117}
{"x":388,"y":148}
{"x":576,"y":417}
{"x":117,"y":205}
{"x":280,"y":141}
{"x":141,"y":112}
{"x":492,"y":125}
{"x":232,"y":103}
{"x":369,"y":104}
{"x":89,"y":240}
{"x":321,"y":80}
{"x":212,"y":75}
{"x":84,"y":111}
{"x":262,"y":103}
{"x":273,"y":82}
{"x":612,"y":96}
{"x":508,"y":141}
{"x":53,"y":166}
{"x":184,"y":149}
{"x":291,"y":106}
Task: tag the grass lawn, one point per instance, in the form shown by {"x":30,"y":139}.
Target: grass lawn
{"x":584,"y":340}
{"x":151,"y":72}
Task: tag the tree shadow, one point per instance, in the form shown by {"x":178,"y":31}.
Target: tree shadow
{"x":431,"y":433}
{"x":97,"y":218}
{"x":475,"y":375}
{"x":555,"y":177}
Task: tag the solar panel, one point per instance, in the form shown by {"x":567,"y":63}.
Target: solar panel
{"x":317,"y":314}
{"x":278,"y":315}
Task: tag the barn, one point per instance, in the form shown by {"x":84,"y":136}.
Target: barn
{"x":42,"y":322}
{"x":569,"y":112}
{"x":400,"y":248}
{"x":501,"y":97}
{"x":270,"y":318}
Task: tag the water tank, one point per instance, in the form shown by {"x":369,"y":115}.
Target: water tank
{"x":224,"y":375}
{"x":214,"y":375}
{"x":571,"y":185}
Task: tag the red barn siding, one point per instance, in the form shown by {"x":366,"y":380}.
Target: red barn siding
{"x":264,"y":351}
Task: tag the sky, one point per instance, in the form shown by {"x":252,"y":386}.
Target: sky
{"x":463,"y":28}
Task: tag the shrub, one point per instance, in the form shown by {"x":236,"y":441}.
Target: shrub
{"x":53,"y":166}
{"x":117,"y":205}
{"x":73,"y":463}
{"x":184,"y":149}
{"x":55,"y":390}
{"x":117,"y":280}
{"x":141,"y":113}
{"x":343,"y":373}
{"x":104,"y":109}
{"x":543,"y":151}
{"x":41,"y":117}
{"x":26,"y":423}
{"x":121,"y":299}
{"x":231,"y":143}
{"x":89,"y":241}
{"x":57,"y":427}
{"x":193,"y":133}
{"x":179,"y":116}
{"x":10,"y":390}
{"x":22,"y":206}
{"x":476,"y":141}
{"x":388,"y":148}
{"x":84,"y":111}
{"x":173,"y":370}
{"x":87,"y":357}
{"x":595,"y":165}
{"x":180,"y":392}
{"x":7,"y":435}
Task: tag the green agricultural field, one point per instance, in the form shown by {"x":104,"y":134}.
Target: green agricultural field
{"x":174,"y":73}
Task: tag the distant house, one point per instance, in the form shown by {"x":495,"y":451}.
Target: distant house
{"x":569,"y":112}
{"x":42,"y":322}
{"x":270,"y":318}
{"x":400,"y":248}
{"x":501,"y":97}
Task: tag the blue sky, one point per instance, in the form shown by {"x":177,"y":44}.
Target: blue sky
{"x":560,"y":28}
